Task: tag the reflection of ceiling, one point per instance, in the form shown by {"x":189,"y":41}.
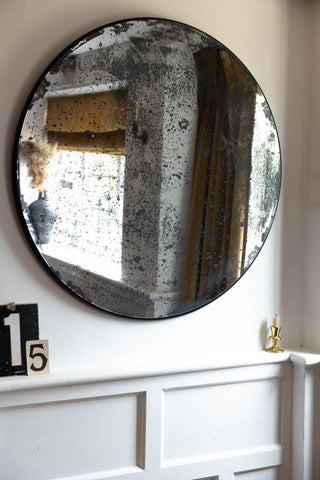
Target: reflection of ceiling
{"x":106,"y":61}
{"x":164,"y":33}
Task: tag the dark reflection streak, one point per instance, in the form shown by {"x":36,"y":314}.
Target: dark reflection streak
{"x":203,"y":223}
{"x":246,"y":216}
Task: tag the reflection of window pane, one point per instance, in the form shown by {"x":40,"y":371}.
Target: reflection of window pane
{"x":264,"y":179}
{"x":87,"y":190}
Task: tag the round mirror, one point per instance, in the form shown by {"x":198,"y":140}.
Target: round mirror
{"x":147,"y":168}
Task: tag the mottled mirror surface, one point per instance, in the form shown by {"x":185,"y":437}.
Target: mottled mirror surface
{"x":148,"y":168}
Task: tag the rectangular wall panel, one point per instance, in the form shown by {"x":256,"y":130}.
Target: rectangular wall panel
{"x":209,"y":478}
{"x":265,"y":474}
{"x":59,"y":439}
{"x":215,"y":419}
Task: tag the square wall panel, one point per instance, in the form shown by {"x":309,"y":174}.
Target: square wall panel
{"x":215,"y":419}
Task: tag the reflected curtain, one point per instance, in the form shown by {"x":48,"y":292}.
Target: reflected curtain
{"x":89,"y":123}
{"x":219,"y":206}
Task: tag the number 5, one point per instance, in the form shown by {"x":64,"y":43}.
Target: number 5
{"x":37,"y":361}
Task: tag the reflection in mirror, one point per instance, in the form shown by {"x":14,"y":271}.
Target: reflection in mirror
{"x":148,"y":168}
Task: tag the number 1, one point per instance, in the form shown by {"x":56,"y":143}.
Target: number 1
{"x":13,"y":321}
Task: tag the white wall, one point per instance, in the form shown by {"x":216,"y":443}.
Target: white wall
{"x":271,"y":38}
{"x":311,"y":258}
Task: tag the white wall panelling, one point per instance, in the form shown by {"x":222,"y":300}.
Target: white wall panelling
{"x":188,"y":426}
{"x":266,"y":474}
{"x":234,"y":407}
{"x":305,"y":425}
{"x":67,"y":430}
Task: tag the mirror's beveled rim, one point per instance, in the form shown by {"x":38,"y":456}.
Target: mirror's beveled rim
{"x":16,"y":177}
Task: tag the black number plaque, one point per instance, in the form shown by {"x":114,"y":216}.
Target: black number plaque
{"x":18,"y":324}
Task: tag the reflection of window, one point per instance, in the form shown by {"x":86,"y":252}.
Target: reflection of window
{"x":86,"y":181}
{"x":264,"y":179}
{"x":87,"y":190}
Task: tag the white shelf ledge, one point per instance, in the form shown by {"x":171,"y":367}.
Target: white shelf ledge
{"x":105,"y":372}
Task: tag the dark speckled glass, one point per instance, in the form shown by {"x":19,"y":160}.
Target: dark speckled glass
{"x":147,"y":168}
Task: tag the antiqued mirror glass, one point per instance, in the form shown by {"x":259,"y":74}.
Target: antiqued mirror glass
{"x":147,"y":168}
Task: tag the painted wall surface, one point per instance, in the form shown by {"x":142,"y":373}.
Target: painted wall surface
{"x":271,"y":38}
{"x":311,"y":258}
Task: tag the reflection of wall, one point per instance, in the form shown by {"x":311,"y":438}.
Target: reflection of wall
{"x":158,"y":176}
{"x":179,"y":132}
{"x":143,"y":177}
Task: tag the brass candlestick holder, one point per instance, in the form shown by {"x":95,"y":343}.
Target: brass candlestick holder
{"x":275,"y":338}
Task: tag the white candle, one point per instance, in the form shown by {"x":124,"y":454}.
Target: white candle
{"x":276,"y":321}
